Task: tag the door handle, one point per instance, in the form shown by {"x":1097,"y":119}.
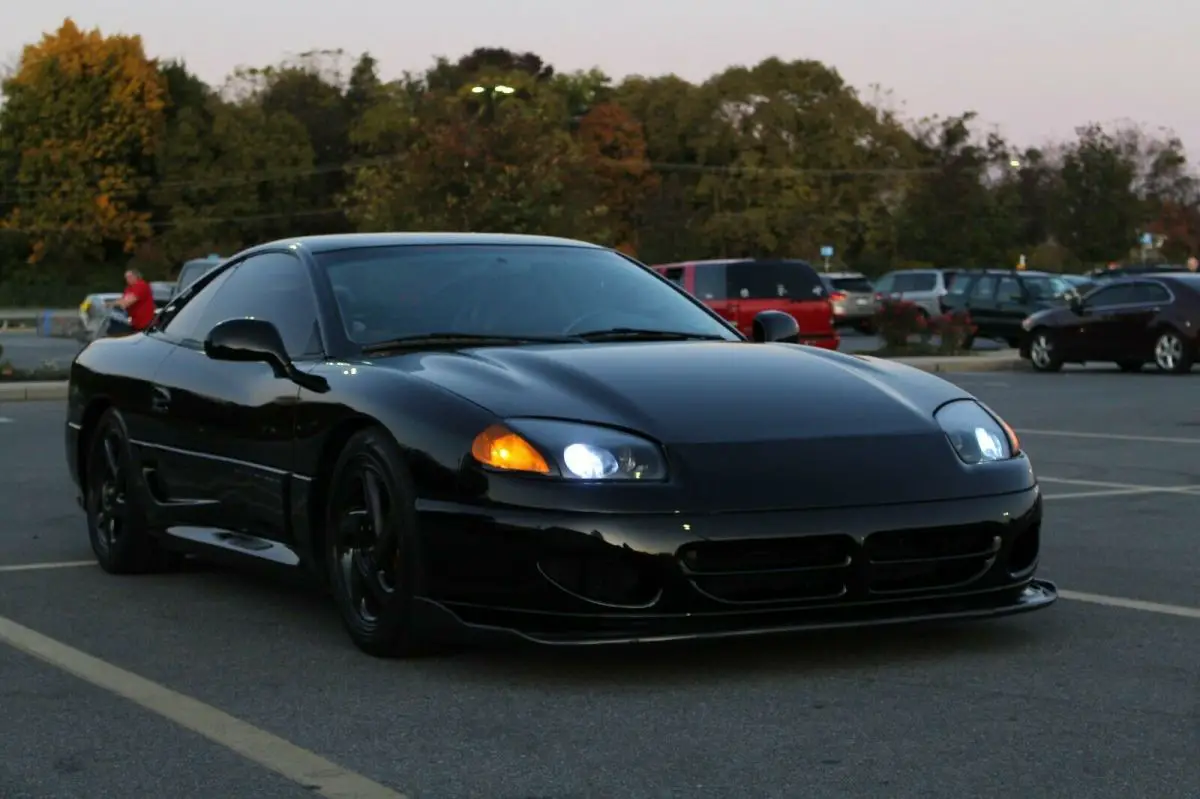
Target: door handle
{"x":160,"y":399}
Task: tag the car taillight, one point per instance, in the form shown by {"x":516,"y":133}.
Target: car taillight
{"x":837,"y":296}
{"x":879,"y":296}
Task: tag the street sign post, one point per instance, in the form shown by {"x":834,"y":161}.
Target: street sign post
{"x":827,"y":253}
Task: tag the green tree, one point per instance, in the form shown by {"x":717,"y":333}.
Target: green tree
{"x":463,"y":161}
{"x":1098,"y":213}
{"x":84,"y":114}
{"x":953,"y":214}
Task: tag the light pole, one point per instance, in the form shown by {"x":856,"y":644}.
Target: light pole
{"x":490,"y":93}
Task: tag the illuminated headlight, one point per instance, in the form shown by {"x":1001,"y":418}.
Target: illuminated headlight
{"x":976,"y":435}
{"x":590,"y":452}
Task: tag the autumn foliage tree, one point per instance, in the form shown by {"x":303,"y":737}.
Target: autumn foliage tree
{"x":82,"y":117}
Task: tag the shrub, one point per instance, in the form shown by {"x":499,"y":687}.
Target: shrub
{"x":898,"y":320}
{"x":954,"y":330}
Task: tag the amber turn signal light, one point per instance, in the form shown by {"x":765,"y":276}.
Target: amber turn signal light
{"x":1014,"y":443}
{"x":501,"y":448}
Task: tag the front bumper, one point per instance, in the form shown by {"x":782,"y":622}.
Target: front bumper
{"x":570,"y":579}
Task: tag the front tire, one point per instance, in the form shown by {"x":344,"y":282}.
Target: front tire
{"x":371,"y":550}
{"x":1042,"y":351}
{"x":120,"y":537}
{"x":1171,"y":353}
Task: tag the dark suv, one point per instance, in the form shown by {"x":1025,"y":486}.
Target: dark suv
{"x":998,"y":300}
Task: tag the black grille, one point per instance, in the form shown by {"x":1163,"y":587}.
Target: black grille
{"x":826,"y":567}
{"x":903,"y":561}
{"x":770,"y":570}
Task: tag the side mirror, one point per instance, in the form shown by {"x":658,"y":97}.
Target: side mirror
{"x":771,"y":326}
{"x":257,"y":341}
{"x":1076,"y":303}
{"x":248,"y":340}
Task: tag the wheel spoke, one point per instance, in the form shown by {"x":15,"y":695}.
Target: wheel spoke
{"x":383,"y":536}
{"x":110,"y":458}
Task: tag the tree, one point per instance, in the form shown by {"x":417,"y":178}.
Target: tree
{"x":617,"y":175}
{"x":1098,"y":214}
{"x":84,"y":113}
{"x":953,"y":214}
{"x":461,"y":163}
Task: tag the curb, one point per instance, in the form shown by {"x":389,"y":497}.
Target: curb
{"x":969,"y":364}
{"x":33,"y":391}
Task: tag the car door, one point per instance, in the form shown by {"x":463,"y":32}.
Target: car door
{"x":981,"y":304}
{"x":1101,"y":334}
{"x":231,"y":426}
{"x":1010,"y":308}
{"x":1133,"y":323}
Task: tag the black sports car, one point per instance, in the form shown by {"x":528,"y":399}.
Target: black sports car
{"x":541,"y":438}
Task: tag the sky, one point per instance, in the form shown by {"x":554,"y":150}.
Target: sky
{"x":1035,"y":69}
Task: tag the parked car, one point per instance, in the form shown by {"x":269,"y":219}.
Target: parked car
{"x":192,"y":270}
{"x":539,"y":439}
{"x":1105,"y":274}
{"x":739,"y":289}
{"x":924,"y":287}
{"x":1129,"y":321}
{"x":853,"y":299}
{"x":999,"y":300}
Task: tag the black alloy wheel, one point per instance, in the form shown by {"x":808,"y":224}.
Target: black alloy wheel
{"x":371,"y":547}
{"x":1043,"y":354}
{"x":116,"y":520}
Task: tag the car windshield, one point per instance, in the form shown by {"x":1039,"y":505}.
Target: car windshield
{"x":852,"y":284}
{"x":1045,"y":288}
{"x":536,"y":291}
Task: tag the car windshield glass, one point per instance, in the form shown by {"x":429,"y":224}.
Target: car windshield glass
{"x":1044,"y":288}
{"x":385,"y":293}
{"x":853,"y":284}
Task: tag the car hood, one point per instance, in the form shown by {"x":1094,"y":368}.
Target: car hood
{"x":791,"y":426}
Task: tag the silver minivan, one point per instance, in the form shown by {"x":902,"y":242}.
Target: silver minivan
{"x":923,"y":287}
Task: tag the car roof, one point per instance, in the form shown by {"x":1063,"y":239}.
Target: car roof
{"x":842,"y":274}
{"x":727,"y":261}
{"x":347,"y":241}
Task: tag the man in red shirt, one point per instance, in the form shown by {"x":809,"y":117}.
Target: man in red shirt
{"x":137,"y":301}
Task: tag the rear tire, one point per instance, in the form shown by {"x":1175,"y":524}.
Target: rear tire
{"x":371,"y":547}
{"x":1171,"y":353}
{"x":117,"y":529}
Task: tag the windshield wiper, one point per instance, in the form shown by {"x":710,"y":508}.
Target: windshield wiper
{"x":460,"y":340}
{"x":638,"y":334}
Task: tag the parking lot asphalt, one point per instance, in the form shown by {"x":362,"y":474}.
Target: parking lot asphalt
{"x":1086,"y":699}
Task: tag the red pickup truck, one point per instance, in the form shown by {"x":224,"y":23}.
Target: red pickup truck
{"x":738,"y":289}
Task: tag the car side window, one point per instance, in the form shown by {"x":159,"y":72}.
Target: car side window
{"x":1150,"y":293}
{"x":960,"y":285}
{"x":984,"y":288}
{"x":275,"y":287}
{"x":675,"y":275}
{"x":710,"y":282}
{"x":1112,"y":295}
{"x":1009,"y":290}
{"x":884,"y":284}
{"x":180,"y":322}
{"x":922,"y":281}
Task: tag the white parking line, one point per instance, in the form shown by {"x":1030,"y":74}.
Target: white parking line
{"x":1116,"y":492}
{"x":1108,"y":436}
{"x":1130,"y":487}
{"x":308,"y":769}
{"x":34,"y":567}
{"x":1132,"y":604}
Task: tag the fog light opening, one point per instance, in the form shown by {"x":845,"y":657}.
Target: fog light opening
{"x":608,"y":581}
{"x":1023,"y":557}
